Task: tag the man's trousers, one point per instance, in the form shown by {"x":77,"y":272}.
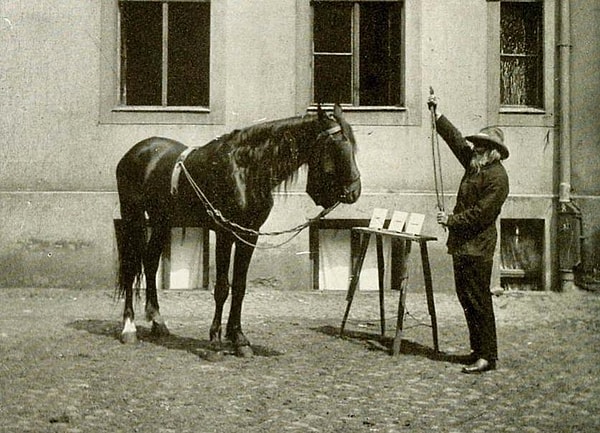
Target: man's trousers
{"x":472,"y":277}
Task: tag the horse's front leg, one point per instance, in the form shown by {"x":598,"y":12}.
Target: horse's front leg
{"x":243,"y":256}
{"x":129,"y":332}
{"x":224,"y":243}
{"x":151,"y":260}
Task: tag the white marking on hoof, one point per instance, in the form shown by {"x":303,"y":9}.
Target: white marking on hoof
{"x":129,"y":334}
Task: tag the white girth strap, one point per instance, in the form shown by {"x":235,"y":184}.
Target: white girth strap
{"x":177,"y":169}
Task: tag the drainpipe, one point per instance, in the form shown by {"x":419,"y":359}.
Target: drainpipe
{"x":564,"y":47}
{"x":569,"y":216}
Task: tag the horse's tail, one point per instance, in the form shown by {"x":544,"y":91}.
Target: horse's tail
{"x":132,"y":233}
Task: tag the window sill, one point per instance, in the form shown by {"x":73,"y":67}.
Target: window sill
{"x":517,"y":109}
{"x":525,"y":116}
{"x":155,"y":115}
{"x":376,"y":115}
{"x":158,"y":109}
{"x":349,"y":108}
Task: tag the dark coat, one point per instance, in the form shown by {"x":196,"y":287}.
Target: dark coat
{"x":472,"y":226}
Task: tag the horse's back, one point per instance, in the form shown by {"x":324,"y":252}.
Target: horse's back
{"x":148,"y":157}
{"x":148,"y":150}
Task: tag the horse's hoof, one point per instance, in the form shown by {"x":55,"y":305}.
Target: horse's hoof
{"x":160,"y":330}
{"x":213,"y":356}
{"x":129,"y":338}
{"x":215,"y":346}
{"x":244,"y":351}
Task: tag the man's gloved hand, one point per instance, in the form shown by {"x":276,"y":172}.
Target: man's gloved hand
{"x":442,"y":218}
{"x":432,"y":102}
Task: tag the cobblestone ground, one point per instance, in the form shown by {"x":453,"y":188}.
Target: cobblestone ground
{"x":62,"y":368}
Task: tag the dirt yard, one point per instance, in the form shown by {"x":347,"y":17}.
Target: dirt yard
{"x":62,"y":368}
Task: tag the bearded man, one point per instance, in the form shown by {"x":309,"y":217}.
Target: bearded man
{"x":472,"y":231}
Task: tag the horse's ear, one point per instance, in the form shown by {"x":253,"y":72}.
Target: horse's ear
{"x":320,"y":113}
{"x":337,"y":112}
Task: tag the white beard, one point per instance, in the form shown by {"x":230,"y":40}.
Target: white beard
{"x":480,"y":160}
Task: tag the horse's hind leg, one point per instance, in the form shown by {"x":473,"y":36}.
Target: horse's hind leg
{"x":160,"y":234}
{"x":129,"y":332}
{"x":223,"y":259}
{"x":132,"y":239}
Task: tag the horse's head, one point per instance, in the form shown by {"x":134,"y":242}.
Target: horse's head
{"x":333,"y":175}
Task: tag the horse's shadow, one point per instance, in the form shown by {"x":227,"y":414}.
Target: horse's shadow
{"x":384,"y":344}
{"x":202,"y":348}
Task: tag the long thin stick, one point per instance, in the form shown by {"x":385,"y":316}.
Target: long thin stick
{"x":437,"y":165}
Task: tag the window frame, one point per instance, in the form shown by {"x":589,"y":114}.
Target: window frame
{"x":505,"y":115}
{"x":355,"y":52}
{"x":111,"y":111}
{"x":409,"y":113}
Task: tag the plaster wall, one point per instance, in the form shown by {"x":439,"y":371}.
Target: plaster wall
{"x":57,"y":160}
{"x":585,"y":139}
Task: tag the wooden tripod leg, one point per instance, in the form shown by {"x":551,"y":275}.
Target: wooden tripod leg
{"x":404,"y":251}
{"x":429,"y":293}
{"x":355,"y":278}
{"x":399,"y":323}
{"x":381,"y":277}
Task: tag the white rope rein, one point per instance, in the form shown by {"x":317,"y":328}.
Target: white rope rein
{"x":235,"y":228}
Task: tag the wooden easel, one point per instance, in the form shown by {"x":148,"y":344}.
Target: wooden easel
{"x":404,"y":242}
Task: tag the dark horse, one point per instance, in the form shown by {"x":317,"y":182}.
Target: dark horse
{"x":233,"y":176}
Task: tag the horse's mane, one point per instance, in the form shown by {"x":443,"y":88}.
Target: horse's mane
{"x":272,"y":152}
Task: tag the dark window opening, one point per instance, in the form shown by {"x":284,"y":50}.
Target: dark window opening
{"x":165,"y":53}
{"x":357,"y":53}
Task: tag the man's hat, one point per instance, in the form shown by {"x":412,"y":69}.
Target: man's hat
{"x":491,"y":136}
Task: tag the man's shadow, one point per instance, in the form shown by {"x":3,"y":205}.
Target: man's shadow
{"x":378,"y":343}
{"x":202,"y":348}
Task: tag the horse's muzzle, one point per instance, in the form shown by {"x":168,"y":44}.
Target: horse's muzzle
{"x":351,"y":193}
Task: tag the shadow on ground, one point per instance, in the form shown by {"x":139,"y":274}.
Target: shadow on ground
{"x":203,"y":348}
{"x":407,"y":347}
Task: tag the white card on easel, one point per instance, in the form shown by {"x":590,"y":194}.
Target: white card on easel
{"x":414,"y":224}
{"x":378,"y":218}
{"x":398,"y":221}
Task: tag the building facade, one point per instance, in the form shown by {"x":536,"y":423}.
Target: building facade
{"x":82,"y":82}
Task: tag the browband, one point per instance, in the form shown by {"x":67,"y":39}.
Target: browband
{"x":333,"y":130}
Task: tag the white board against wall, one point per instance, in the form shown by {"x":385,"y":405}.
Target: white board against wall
{"x":186,"y":258}
{"x":335,"y":262}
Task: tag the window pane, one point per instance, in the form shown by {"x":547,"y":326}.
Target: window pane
{"x":332,"y":28}
{"x":333,"y":79}
{"x":521,"y":28}
{"x":141,"y":53}
{"x":380,"y":54}
{"x":519,"y":82}
{"x":189,"y":53}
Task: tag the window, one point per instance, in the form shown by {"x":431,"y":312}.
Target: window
{"x":162,"y":62}
{"x":165,"y":52}
{"x":521,"y":59}
{"x":357,"y":53}
{"x":521,"y":54}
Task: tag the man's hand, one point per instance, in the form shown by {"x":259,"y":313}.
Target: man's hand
{"x":442,"y":218}
{"x":432,"y":102}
